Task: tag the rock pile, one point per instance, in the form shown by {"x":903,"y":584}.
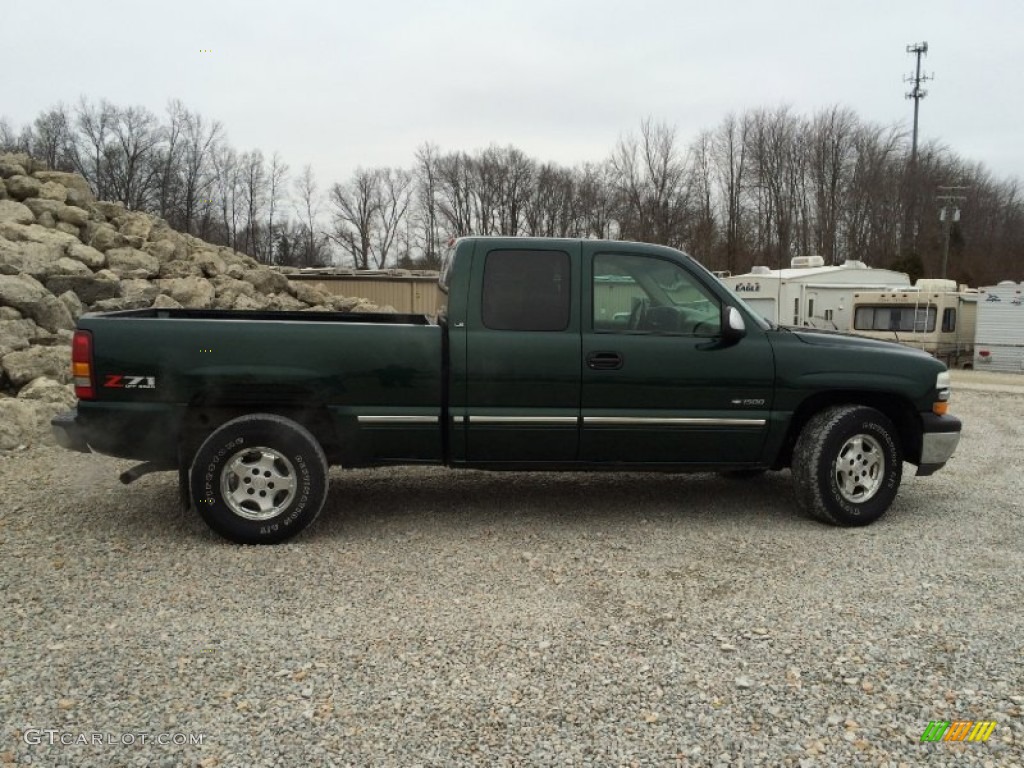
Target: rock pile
{"x":62,"y":253}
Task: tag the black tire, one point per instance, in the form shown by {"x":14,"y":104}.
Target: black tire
{"x":259,"y":479}
{"x":742,"y":474}
{"x":847,"y":465}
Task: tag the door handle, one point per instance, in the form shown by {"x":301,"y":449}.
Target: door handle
{"x":604,"y":361}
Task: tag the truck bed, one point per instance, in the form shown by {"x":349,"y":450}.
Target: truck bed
{"x":355,"y":372}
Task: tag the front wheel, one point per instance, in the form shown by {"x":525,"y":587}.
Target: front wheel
{"x":847,"y":465}
{"x":259,"y":479}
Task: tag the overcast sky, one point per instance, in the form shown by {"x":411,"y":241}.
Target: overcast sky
{"x":343,"y":84}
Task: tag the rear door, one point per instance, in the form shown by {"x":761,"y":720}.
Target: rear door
{"x":522,"y":365}
{"x":659,"y":385}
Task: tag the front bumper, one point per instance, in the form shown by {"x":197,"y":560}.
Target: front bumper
{"x":939,"y":439}
{"x":68,"y":432}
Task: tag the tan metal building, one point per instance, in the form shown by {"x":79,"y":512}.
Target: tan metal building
{"x":408,"y":291}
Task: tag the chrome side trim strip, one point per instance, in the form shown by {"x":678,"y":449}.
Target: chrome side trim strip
{"x":569,"y":420}
{"x":684,"y":422}
{"x":397,"y":419}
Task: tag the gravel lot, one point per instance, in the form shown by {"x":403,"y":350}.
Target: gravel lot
{"x":442,"y":618}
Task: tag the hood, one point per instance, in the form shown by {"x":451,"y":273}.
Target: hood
{"x":821,"y":337}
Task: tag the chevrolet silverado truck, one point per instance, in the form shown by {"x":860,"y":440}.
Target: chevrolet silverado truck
{"x":549,"y":354}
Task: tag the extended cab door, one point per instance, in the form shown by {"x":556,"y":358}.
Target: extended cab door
{"x":659,"y":383}
{"x":518,"y":399}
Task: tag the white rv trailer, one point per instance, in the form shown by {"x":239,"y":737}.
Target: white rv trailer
{"x":999,"y":341}
{"x":937,"y":316}
{"x":810,"y":294}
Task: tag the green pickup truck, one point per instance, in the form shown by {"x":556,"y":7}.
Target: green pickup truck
{"x":550,"y":354}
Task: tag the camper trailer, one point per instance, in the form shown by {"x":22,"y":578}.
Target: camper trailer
{"x":999,"y":340}
{"x":809,"y":293}
{"x":936,"y":316}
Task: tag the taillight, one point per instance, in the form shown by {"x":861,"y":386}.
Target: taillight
{"x":81,"y":365}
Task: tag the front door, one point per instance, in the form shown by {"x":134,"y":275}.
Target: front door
{"x":659,"y":384}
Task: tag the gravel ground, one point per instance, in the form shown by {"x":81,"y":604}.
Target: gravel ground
{"x":444,"y":618}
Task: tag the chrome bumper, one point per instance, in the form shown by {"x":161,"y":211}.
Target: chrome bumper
{"x":939,"y":440}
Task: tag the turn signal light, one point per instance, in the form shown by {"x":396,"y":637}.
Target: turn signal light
{"x":81,"y":365}
{"x":941,"y":408}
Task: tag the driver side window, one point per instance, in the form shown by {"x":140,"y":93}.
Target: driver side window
{"x":642,"y":294}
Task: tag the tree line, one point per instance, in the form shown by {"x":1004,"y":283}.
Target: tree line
{"x":759,"y":188}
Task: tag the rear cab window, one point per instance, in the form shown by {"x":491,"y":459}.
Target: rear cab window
{"x":526,"y":290}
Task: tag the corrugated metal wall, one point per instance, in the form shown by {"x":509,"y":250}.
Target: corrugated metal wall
{"x":999,"y":343}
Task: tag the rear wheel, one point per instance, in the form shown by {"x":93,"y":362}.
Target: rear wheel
{"x":259,"y":479}
{"x":847,"y":465}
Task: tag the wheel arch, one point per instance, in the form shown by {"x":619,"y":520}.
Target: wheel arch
{"x":899,"y":410}
{"x":202,"y":417}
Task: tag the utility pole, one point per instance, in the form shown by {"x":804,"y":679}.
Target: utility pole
{"x":916,"y":93}
{"x":950,"y":197}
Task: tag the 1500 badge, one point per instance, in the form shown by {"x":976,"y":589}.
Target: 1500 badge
{"x":123,"y":381}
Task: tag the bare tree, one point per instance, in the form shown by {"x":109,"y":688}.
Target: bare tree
{"x":95,"y":125}
{"x":276,"y":187}
{"x":130,"y":156}
{"x":307,"y":206}
{"x":355,"y":214}
{"x":254,"y":192}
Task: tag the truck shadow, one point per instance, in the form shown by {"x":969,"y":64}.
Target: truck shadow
{"x":362,"y":502}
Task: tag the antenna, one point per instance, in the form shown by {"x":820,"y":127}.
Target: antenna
{"x":916,"y":93}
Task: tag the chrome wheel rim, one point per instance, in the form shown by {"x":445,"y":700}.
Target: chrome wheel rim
{"x":859,"y":468}
{"x":258,"y":483}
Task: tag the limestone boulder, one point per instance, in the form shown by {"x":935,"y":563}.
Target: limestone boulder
{"x":179,"y":269}
{"x":250,"y":303}
{"x":89,"y":289}
{"x":18,"y":420}
{"x":13,"y":165}
{"x":266,"y":281}
{"x":51,"y":190}
{"x":139,"y":292}
{"x":74,"y":304}
{"x":26,"y":364}
{"x":16,"y":334}
{"x":308,"y":293}
{"x":33,"y":259}
{"x":284,"y":301}
{"x":109,"y":211}
{"x":16,"y":213}
{"x":192,"y":292}
{"x":123,"y":260}
{"x":135,"y":225}
{"x":31,"y":298}
{"x":76,"y":186}
{"x":102,"y":236}
{"x":48,"y":390}
{"x":164,"y":301}
{"x":88,"y":255}
{"x":21,"y":187}
{"x":68,"y":266}
{"x":210,"y":263}
{"x":73,"y":215}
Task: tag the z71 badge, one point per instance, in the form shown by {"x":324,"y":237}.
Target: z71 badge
{"x":123,"y":381}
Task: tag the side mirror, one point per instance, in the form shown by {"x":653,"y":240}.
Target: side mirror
{"x":733,"y":329}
